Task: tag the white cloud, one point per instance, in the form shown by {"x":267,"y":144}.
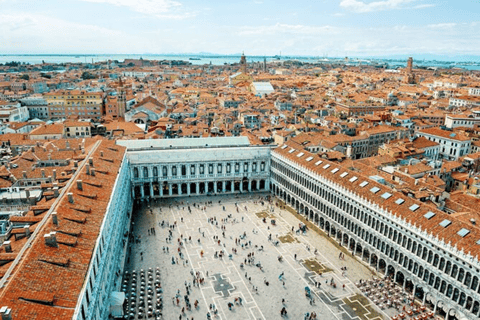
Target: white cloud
{"x":362,"y":7}
{"x":442,"y":25}
{"x":34,"y":33}
{"x":168,"y":9}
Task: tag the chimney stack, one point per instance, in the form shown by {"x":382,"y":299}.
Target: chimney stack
{"x":101,"y":153}
{"x":55,"y":218}
{"x":24,"y":174}
{"x":70,"y":197}
{"x":55,"y":190}
{"x":79,"y":185}
{"x":88,"y":168}
{"x":27,"y":230}
{"x":51,"y":239}
{"x":7,"y":246}
{"x":54,"y":174}
{"x":90,"y":160}
{"x":75,"y":164}
{"x":68,"y":144}
{"x":6,"y":313}
{"x":27,"y":193}
{"x":92,"y":172}
{"x":43,"y":173}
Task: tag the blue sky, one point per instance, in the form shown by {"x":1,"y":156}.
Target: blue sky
{"x":258,"y":27}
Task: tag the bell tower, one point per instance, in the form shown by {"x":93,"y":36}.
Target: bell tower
{"x":243,"y":63}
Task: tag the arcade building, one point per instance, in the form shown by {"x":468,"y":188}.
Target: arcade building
{"x":432,"y":254}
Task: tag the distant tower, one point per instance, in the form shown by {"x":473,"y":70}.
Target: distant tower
{"x":243,"y":63}
{"x":122,"y":104}
{"x":409,"y":76}
{"x":264,"y":64}
{"x":410,"y":65}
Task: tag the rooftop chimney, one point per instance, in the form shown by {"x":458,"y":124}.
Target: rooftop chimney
{"x":27,"y":230}
{"x":55,"y":190}
{"x":90,"y":161}
{"x":55,"y":218}
{"x":75,"y":163}
{"x":6,"y":313}
{"x":101,"y":154}
{"x":79,"y":185}
{"x":43,"y":173}
{"x":27,"y":193}
{"x":54,"y":174}
{"x":70,"y":197}
{"x":92,"y":171}
{"x":88,"y":169}
{"x":24,"y":174}
{"x":68,"y":144}
{"x":7,"y":246}
{"x":51,"y":239}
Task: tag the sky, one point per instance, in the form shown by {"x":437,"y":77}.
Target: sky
{"x":330,"y":28}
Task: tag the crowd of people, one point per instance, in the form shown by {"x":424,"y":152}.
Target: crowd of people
{"x":242,"y":248}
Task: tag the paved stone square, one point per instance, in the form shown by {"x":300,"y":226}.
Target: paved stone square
{"x":226,"y":279}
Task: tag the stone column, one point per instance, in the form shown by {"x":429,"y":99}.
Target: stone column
{"x":197,"y":188}
{"x":223,"y":186}
{"x":232,"y":187}
{"x":249,"y":185}
{"x":133,"y":192}
{"x":151,"y":190}
{"x":188,"y":189}
{"x":142,"y":192}
{"x":160,"y":186}
{"x":215,"y":187}
{"x":241,"y":186}
{"x":179,"y":187}
{"x":169,"y":189}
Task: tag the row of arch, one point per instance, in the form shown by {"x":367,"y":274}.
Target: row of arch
{"x":158,"y":189}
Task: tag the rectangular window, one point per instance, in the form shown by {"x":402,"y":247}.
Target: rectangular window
{"x":254,"y":167}
{"x":262,"y":166}
{"x":237,"y":167}
{"x":202,"y":169}
{"x":229,"y":168}
{"x":219,"y":168}
{"x":210,"y":168}
{"x":192,"y":169}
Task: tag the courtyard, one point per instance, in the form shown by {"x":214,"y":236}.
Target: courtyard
{"x":253,"y":260}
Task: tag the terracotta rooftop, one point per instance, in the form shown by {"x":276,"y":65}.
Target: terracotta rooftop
{"x":47,"y":281}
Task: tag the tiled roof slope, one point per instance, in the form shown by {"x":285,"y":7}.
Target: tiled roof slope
{"x":53,"y":277}
{"x":414,"y":217}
